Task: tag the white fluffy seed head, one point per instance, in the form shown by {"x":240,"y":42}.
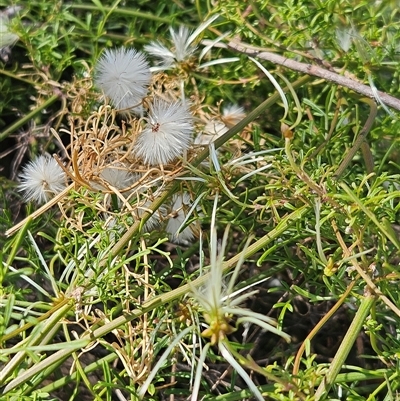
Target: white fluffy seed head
{"x":117,"y":177}
{"x":7,"y":38}
{"x":167,"y":134}
{"x":232,"y":114}
{"x":124,"y":76}
{"x":180,"y":205}
{"x":212,"y":130}
{"x":41,"y":179}
{"x":155,"y":219}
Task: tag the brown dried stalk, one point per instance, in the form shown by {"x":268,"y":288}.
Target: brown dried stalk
{"x":315,"y":71}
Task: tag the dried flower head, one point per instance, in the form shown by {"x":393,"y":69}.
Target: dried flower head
{"x":167,"y":134}
{"x":123,"y":75}
{"x":41,"y":179}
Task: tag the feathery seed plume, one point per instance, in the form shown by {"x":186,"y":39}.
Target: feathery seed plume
{"x":181,"y":49}
{"x":123,"y":75}
{"x":41,"y":179}
{"x":180,"y":204}
{"x":167,"y":134}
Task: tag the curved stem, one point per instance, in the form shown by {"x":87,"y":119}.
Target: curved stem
{"x":315,"y":330}
{"x":11,"y":75}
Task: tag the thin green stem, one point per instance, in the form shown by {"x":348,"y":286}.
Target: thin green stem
{"x":360,"y":374}
{"x":17,"y":243}
{"x":382,"y":386}
{"x":384,"y":229}
{"x":255,"y":113}
{"x":345,"y":347}
{"x":60,"y":383}
{"x":122,"y":11}
{"x":156,"y":301}
{"x":360,"y":140}
{"x":11,"y":75}
{"x":202,"y":156}
{"x":5,"y":134}
{"x":38,"y":335}
{"x":32,"y":323}
{"x":318,"y":326}
{"x":179,"y":292}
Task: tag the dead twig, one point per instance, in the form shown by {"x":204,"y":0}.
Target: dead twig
{"x":315,"y":71}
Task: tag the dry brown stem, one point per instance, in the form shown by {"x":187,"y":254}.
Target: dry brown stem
{"x":315,"y":71}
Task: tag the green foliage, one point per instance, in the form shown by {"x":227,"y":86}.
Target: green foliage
{"x":90,"y":301}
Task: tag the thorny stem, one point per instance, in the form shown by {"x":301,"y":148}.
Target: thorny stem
{"x":313,"y":70}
